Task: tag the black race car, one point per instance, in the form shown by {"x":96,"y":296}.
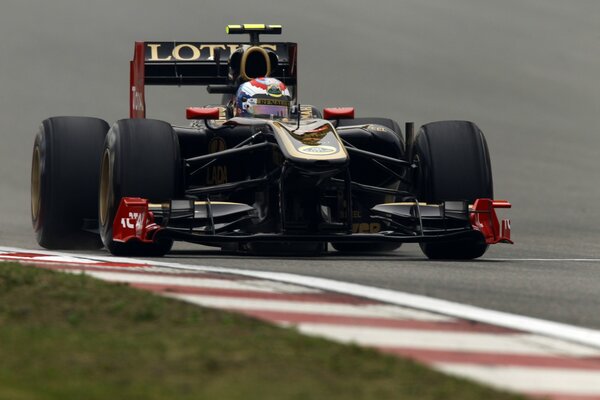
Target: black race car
{"x":258,"y":185}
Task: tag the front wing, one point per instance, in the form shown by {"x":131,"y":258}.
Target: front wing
{"x":219,"y":222}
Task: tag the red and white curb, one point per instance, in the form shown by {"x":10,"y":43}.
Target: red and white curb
{"x":526,"y":355}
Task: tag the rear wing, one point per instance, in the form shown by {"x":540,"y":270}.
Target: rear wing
{"x":199,"y":63}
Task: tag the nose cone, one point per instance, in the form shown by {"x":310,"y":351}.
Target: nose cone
{"x":315,"y":142}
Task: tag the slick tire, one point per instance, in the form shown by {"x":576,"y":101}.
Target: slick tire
{"x":454,"y":164}
{"x":64,"y":182}
{"x":140,"y":158}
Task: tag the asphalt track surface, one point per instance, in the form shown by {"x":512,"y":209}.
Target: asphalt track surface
{"x":526,"y":71}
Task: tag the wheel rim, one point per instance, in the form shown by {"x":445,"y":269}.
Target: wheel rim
{"x":105,"y":188}
{"x":36,"y":179}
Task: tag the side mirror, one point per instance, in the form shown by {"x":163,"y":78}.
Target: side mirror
{"x":338,"y":113}
{"x":202,"y":113}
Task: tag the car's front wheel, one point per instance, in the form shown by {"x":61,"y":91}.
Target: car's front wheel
{"x":454,"y":165}
{"x":141,"y":158}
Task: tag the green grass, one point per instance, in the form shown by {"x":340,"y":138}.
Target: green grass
{"x":68,"y":336}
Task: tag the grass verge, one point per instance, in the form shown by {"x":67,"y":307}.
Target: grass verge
{"x":68,"y":336}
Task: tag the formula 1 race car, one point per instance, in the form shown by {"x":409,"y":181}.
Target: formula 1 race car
{"x":258,"y":172}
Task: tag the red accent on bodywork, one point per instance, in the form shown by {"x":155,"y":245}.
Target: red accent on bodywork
{"x":501,"y":204}
{"x":137,"y":97}
{"x":293,"y":57}
{"x":134,"y":221}
{"x":485,"y":220}
{"x":202,"y":113}
{"x":338,"y":113}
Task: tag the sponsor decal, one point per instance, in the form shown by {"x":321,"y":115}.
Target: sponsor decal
{"x":156,"y":52}
{"x":373,"y":227}
{"x":127,"y":223}
{"x":216,"y":144}
{"x":317,"y":150}
{"x":138,"y":103}
{"x":216,"y":174}
{"x":274,"y":90}
{"x":272,"y":102}
{"x":378,"y":128}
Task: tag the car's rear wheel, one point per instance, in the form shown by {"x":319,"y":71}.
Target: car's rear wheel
{"x":64,"y":181}
{"x":454,"y":165}
{"x":141,"y":158}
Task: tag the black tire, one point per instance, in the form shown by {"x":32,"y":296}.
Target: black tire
{"x":141,"y":158}
{"x":64,"y":181}
{"x":454,"y":164}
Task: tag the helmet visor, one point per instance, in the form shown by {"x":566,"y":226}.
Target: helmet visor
{"x":268,"y":111}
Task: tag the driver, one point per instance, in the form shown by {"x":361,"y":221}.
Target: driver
{"x":263,"y":98}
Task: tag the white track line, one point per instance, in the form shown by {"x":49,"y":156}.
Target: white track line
{"x":299,"y":307}
{"x":524,"y":379}
{"x":524,"y":344}
{"x":64,"y":259}
{"x":251,"y":285}
{"x":585,"y":336}
{"x":173,"y":280}
{"x":545,"y":259}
